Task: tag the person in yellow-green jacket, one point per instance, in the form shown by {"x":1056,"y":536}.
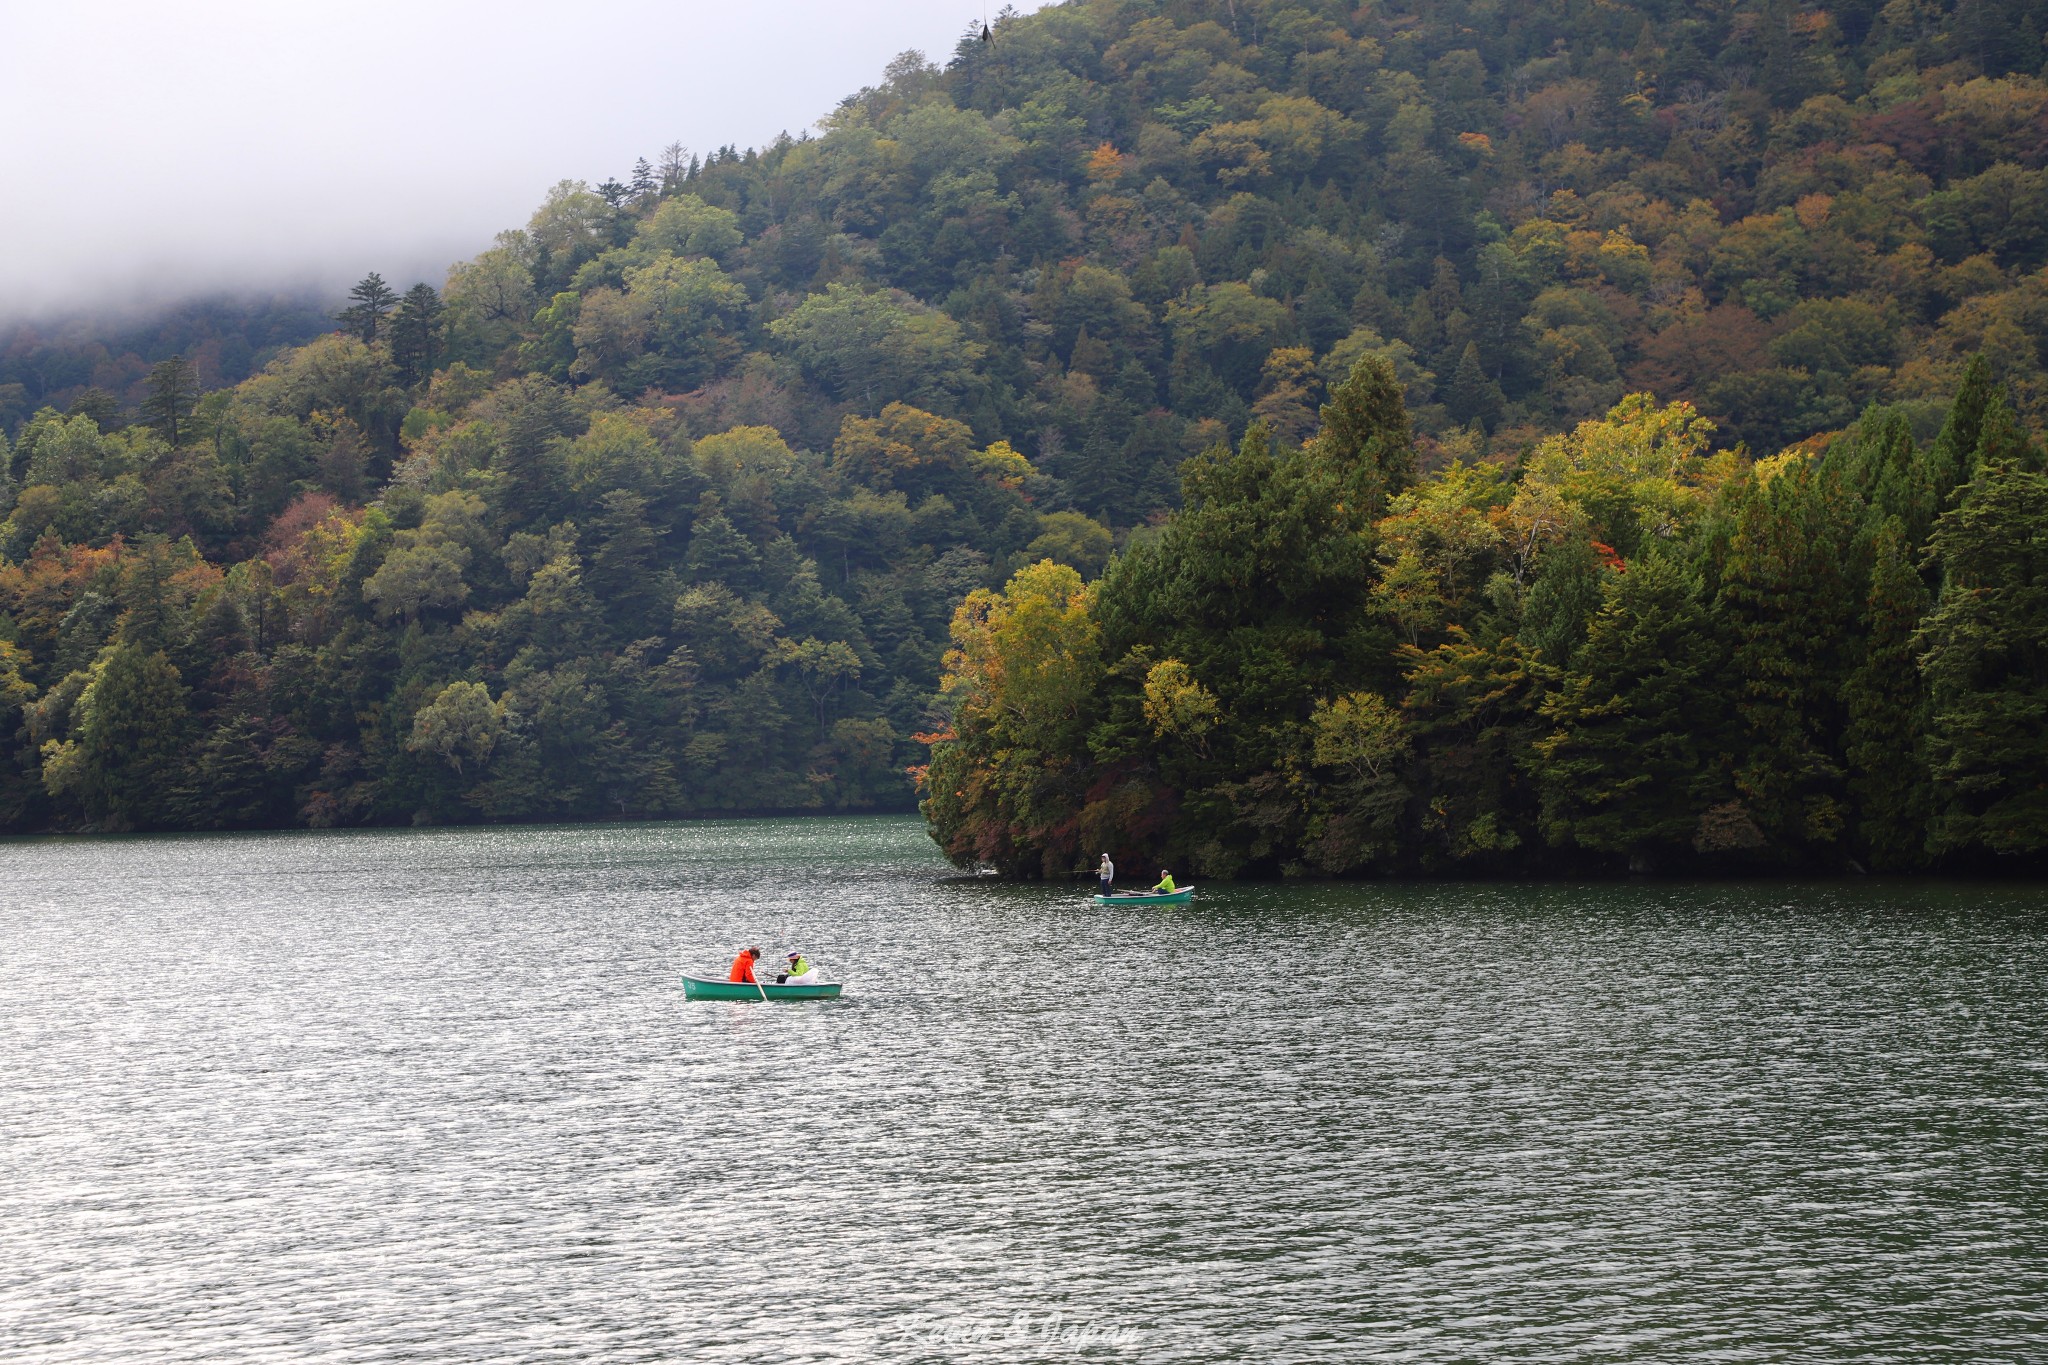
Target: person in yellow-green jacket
{"x":800,"y":973}
{"x":1165,"y":881}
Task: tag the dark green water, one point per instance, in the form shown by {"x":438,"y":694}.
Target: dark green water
{"x":437,"y":1096}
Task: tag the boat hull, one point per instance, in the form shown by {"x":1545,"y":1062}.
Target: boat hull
{"x":698,"y":988}
{"x":1180,"y":897}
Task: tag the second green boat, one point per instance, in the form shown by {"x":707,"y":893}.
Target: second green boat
{"x":1179,"y":897}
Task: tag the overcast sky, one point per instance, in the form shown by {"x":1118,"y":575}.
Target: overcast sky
{"x":150,"y":150}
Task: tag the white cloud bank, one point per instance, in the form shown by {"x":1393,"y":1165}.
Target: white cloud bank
{"x":150,"y":151}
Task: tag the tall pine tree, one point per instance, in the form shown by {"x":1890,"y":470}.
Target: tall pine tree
{"x":537,"y":417}
{"x":1366,"y":438}
{"x":416,"y":334}
{"x":1953,"y":459}
{"x":1986,"y":662}
{"x":1887,"y":706}
{"x":1472,"y":396}
{"x":369,"y":302}
{"x":173,"y":390}
{"x":1788,"y":599}
{"x":1633,"y":762}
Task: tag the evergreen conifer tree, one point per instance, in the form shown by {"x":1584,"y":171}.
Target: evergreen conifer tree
{"x":217,"y":638}
{"x":2001,"y":439}
{"x":370,"y":300}
{"x":530,"y":460}
{"x":1633,"y":762}
{"x":1562,"y":600}
{"x":1952,"y":459}
{"x":416,"y":333}
{"x":1366,"y":436}
{"x":675,"y":167}
{"x":622,"y":562}
{"x":173,"y":390}
{"x":1787,"y":599}
{"x":1260,"y":587}
{"x":1098,"y":474}
{"x":1883,"y":743}
{"x":228,"y":784}
{"x":718,"y":552}
{"x":1985,"y":658}
{"x":98,"y":404}
{"x":1472,"y":396}
{"x":151,"y":616}
{"x":1885,"y":468}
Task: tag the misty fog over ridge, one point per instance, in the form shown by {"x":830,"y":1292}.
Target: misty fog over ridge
{"x":236,"y":147}
{"x":147,"y":296}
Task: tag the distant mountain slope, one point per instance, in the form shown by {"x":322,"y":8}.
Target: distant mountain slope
{"x":226,"y":340}
{"x":1780,"y":212}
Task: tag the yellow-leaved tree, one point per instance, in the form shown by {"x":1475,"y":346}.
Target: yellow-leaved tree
{"x":1178,"y":706}
{"x":1642,"y":471}
{"x":1002,"y":787}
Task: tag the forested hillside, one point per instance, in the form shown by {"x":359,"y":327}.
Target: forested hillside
{"x":1631,"y":652}
{"x":664,"y":503}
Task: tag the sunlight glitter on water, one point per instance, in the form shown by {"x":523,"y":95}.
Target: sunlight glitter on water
{"x":436,"y":1094}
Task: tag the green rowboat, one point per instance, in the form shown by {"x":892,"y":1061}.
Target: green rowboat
{"x":697,"y":988}
{"x":1180,"y":897}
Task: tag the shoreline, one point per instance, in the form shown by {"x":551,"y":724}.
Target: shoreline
{"x":2019,"y":876}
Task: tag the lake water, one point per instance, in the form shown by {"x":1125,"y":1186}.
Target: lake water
{"x":436,"y":1095}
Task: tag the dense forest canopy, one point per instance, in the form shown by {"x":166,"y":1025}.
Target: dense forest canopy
{"x":1628,"y":652}
{"x":1496,"y":434}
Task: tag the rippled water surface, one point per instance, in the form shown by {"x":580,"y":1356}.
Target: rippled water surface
{"x":437,"y":1096}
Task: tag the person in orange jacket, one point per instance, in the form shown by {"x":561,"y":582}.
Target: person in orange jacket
{"x":743,"y":966}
